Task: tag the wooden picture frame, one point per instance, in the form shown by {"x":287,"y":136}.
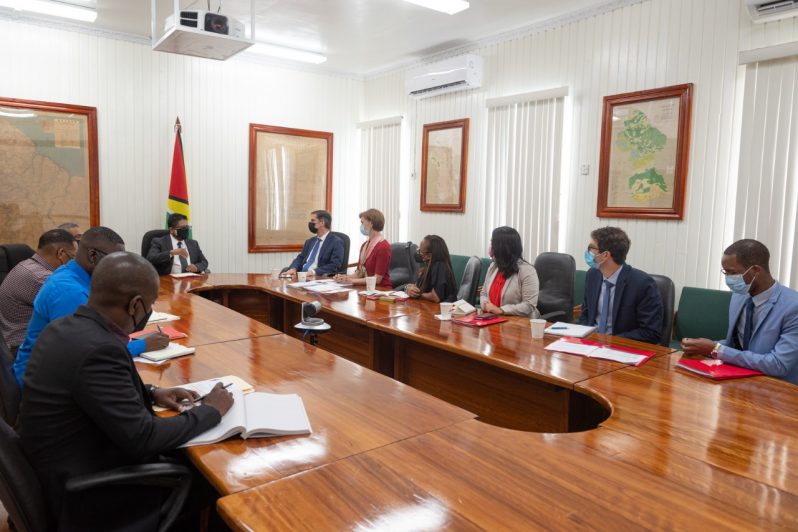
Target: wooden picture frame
{"x":444,"y":166}
{"x":50,"y":172}
{"x":290,"y":175}
{"x":645,"y":145}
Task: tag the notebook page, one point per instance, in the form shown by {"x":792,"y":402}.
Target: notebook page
{"x":618,"y":356}
{"x":572,"y":348}
{"x":272,"y":414}
{"x":232,"y":422}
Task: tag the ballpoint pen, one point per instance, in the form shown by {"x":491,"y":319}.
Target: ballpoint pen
{"x":557,"y":328}
{"x":199,"y":399}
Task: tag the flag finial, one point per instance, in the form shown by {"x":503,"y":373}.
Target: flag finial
{"x":178,"y":127}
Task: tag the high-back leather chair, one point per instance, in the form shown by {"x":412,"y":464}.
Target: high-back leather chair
{"x":9,"y":389}
{"x":403,"y":268}
{"x":470,"y":280}
{"x":703,"y":313}
{"x":146,"y":240}
{"x":556,"y":277}
{"x":345,"y":238}
{"x":667,"y":291}
{"x":11,"y":255}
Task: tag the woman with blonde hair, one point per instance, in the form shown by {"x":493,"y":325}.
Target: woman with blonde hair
{"x":375,"y":253}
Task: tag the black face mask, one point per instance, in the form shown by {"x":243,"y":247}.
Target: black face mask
{"x":312,"y":228}
{"x":140,"y":324}
{"x":182,"y":233}
{"x":420,"y":258}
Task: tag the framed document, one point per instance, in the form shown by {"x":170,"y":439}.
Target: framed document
{"x":290,"y":175}
{"x":49,"y":172}
{"x":444,"y":166}
{"x":645,"y":141}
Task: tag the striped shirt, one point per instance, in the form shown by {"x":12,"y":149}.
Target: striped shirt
{"x":17,"y":293}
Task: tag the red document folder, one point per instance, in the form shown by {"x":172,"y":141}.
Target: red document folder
{"x":715,"y":369}
{"x":174,"y":334}
{"x":471,"y":321}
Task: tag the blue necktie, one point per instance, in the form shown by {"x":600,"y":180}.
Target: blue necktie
{"x":605,"y":307}
{"x":313,"y":253}
{"x":749,"y":322}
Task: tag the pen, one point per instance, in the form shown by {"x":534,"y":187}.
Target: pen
{"x":199,"y":399}
{"x":558,"y":328}
{"x":159,"y":329}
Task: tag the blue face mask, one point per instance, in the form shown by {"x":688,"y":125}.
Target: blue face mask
{"x":591,"y":260}
{"x":737,"y":284}
{"x":363,"y":230}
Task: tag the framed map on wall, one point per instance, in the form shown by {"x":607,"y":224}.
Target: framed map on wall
{"x":290,"y":175}
{"x":444,"y":166}
{"x":645,"y":140}
{"x":48,"y":171}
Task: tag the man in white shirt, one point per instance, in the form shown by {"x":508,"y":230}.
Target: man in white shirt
{"x":322,"y":254}
{"x":176,"y":252}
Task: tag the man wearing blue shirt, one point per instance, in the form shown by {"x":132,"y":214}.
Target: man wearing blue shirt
{"x":763,"y":316}
{"x":68,"y":288}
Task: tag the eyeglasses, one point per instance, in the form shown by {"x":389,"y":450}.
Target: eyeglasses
{"x":726,"y":272}
{"x":591,"y":248}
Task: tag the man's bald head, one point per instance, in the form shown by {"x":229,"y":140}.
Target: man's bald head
{"x":120,"y":277}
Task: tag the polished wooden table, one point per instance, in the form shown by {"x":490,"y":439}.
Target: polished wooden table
{"x":667,"y":449}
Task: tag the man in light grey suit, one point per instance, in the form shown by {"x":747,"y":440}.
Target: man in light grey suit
{"x":763,"y":316}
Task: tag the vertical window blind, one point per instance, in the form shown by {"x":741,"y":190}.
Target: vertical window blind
{"x":380,"y":159}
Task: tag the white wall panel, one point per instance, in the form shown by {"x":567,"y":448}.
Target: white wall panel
{"x":139,"y":92}
{"x":645,"y":45}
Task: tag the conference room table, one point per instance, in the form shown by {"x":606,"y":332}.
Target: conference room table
{"x":508,"y":436}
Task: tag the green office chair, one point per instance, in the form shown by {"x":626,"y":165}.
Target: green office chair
{"x":702,"y":313}
{"x":579,"y":287}
{"x":458,"y":266}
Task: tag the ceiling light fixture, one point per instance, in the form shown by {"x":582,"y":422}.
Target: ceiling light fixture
{"x":54,"y":9}
{"x":282,"y":52}
{"x":450,"y":7}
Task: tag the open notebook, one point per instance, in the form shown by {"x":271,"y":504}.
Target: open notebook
{"x":257,"y":415}
{"x":588,"y":348}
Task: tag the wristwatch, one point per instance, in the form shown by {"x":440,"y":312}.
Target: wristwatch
{"x":715,"y":351}
{"x":151,"y":389}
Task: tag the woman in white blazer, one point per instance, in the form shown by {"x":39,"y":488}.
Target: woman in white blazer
{"x":511,"y":284}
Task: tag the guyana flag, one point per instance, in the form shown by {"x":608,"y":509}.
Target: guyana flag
{"x":178,"y":189}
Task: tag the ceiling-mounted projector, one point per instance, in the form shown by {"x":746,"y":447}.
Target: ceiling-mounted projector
{"x":207,"y":21}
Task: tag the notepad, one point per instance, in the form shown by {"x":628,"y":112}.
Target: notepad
{"x":204,"y":387}
{"x":258,"y":415}
{"x":715,"y":369}
{"x":173,"y":333}
{"x":462,"y":308}
{"x":162,"y":317}
{"x":570,"y":329}
{"x":170,"y":351}
{"x":182,"y":275}
{"x":588,"y":348}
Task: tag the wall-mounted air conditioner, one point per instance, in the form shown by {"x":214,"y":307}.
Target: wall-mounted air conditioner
{"x":766,"y":11}
{"x":455,"y":74}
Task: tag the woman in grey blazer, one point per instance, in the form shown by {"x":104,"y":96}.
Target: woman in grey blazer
{"x":511,"y":284}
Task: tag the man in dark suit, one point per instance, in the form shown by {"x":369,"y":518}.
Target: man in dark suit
{"x":322,"y":254}
{"x":86,"y":410}
{"x":176,"y":252}
{"x":619,"y":299}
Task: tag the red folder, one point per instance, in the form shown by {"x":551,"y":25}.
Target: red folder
{"x":174,"y":334}
{"x":715,"y":369}
{"x":471,"y":321}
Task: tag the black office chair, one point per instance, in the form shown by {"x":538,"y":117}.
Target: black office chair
{"x":146,"y":240}
{"x":403,"y":268}
{"x":470,"y":280}
{"x":11,"y":255}
{"x":667,"y":292}
{"x":345,"y":238}
{"x":556,"y":277}
{"x":9,"y":389}
{"x":23,"y":497}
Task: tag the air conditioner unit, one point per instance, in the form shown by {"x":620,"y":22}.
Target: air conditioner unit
{"x":455,"y":74}
{"x":763,"y":11}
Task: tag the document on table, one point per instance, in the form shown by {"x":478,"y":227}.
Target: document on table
{"x":162,"y":317}
{"x":586,"y":348}
{"x":570,"y":329}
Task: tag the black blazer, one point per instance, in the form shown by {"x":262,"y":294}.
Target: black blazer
{"x":86,"y":410}
{"x":331,"y":255}
{"x":160,"y":247}
{"x":637,"y":310}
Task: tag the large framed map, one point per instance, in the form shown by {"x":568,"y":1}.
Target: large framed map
{"x":444,"y":166}
{"x":290,"y":175}
{"x":48,"y":168}
{"x":645,"y":140}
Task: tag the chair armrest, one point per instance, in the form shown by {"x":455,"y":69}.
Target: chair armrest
{"x":552,"y":314}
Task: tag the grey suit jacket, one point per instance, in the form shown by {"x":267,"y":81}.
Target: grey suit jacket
{"x":520,"y":292}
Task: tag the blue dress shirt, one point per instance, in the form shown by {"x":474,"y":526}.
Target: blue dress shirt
{"x":614,"y":280}
{"x":61,"y":295}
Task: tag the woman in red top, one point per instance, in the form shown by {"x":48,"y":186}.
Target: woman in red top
{"x":375,"y":253}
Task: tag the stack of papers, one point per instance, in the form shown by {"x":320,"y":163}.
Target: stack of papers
{"x":162,"y":317}
{"x":586,"y":348}
{"x":570,"y":329}
{"x":389,"y":296}
{"x":185,"y":274}
{"x":172,"y":350}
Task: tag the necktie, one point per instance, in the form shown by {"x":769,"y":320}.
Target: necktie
{"x":312,"y":256}
{"x":749,"y":322}
{"x":605,"y":307}
{"x":183,"y":261}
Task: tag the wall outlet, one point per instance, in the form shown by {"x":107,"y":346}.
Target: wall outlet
{"x":584,"y":169}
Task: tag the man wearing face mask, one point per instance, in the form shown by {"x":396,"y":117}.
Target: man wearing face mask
{"x":86,"y":410}
{"x":176,"y":252}
{"x":68,"y":288}
{"x":56,"y":248}
{"x":322,"y":254}
{"x":619,"y":300}
{"x":763,"y":316}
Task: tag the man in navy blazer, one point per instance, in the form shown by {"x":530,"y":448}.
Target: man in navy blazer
{"x":322,"y":254}
{"x":619,"y":300}
{"x":763,"y":316}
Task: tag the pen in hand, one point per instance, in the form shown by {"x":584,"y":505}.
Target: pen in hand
{"x":199,"y":399}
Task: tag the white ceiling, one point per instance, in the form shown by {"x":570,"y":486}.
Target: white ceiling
{"x":357,"y":36}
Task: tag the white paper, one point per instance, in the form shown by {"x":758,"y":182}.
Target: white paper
{"x":302,"y":284}
{"x":618,"y":356}
{"x":162,"y":317}
{"x":279,"y":414}
{"x":568,"y":347}
{"x":172,"y":350}
{"x":570,"y":329}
